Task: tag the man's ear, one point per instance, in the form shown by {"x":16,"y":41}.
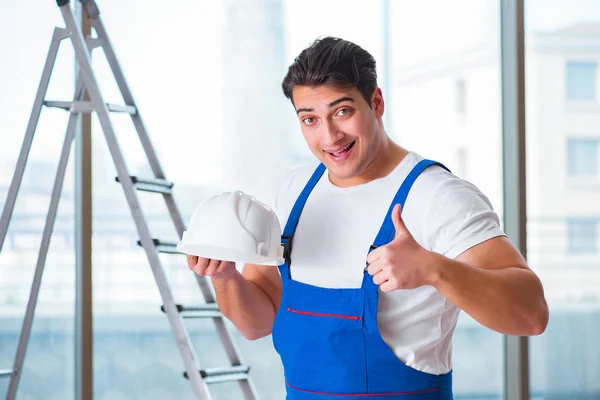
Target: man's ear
{"x":377,"y":102}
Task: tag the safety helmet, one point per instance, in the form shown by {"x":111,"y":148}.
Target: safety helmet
{"x":234,"y":226}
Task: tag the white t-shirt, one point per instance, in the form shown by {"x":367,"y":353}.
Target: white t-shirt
{"x":338,"y":225}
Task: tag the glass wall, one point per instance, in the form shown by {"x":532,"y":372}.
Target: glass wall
{"x":206,"y":77}
{"x":446,"y":105}
{"x":208,"y":87}
{"x":25,"y":35}
{"x":563,"y":132}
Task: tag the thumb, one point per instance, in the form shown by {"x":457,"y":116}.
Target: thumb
{"x":399,"y":226}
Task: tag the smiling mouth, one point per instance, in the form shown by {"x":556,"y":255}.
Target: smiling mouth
{"x":342,"y":151}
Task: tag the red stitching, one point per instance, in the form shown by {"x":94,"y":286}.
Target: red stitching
{"x":352,"y":317}
{"x":361,"y":394}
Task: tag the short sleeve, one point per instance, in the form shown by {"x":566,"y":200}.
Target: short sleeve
{"x":459,"y":217}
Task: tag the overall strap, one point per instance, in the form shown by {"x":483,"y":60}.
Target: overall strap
{"x":387,"y":230}
{"x":292,"y":222}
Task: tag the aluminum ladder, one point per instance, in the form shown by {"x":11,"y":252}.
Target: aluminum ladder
{"x":200,"y":379}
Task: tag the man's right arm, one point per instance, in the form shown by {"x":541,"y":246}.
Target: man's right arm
{"x":249,"y":299}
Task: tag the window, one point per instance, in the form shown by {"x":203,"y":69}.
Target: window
{"x":582,"y":235}
{"x":562,"y":247}
{"x":582,"y":157}
{"x":581,"y":80}
{"x":48,"y":367}
{"x":438,"y":85}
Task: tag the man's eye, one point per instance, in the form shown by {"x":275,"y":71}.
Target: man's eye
{"x":344,"y":111}
{"x":308,"y":121}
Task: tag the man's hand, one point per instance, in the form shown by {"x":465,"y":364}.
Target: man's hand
{"x":402,"y":263}
{"x":216,"y":269}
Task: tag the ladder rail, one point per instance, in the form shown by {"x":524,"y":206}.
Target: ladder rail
{"x":58,"y":35}
{"x":137,"y":120}
{"x":43,"y":252}
{"x":181,"y":335}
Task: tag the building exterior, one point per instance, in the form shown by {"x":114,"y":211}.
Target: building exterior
{"x":448,"y":109}
{"x":455,"y":103}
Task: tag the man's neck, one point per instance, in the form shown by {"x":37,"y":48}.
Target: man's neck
{"x":386,"y":160}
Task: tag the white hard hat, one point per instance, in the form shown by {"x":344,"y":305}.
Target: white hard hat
{"x":234,"y":226}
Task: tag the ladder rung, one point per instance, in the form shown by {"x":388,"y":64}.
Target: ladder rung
{"x":228,"y":374}
{"x":86,"y":106}
{"x":65,"y":105}
{"x":210,"y":310}
{"x":6,"y":372}
{"x":121,"y":108}
{"x":163,"y":246}
{"x":155,"y":185}
{"x":226,"y":378}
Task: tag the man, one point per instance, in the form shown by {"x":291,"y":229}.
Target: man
{"x":385,"y":249}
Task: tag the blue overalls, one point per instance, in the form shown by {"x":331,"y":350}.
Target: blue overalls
{"x":328,"y":339}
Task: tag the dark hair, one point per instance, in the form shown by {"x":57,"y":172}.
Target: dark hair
{"x":335,"y":62}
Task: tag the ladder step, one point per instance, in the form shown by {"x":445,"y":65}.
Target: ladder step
{"x":86,"y":106}
{"x":227,"y":374}
{"x":209,"y":310}
{"x":163,"y":246}
{"x":6,"y":372}
{"x":119,"y":108}
{"x":155,"y":185}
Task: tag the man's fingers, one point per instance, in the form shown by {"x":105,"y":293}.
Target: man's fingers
{"x":380,"y":278}
{"x":399,"y":226}
{"x":200,"y":266}
{"x":223,"y":266}
{"x":374,"y":268}
{"x":373,"y":256}
{"x":387,"y":286}
{"x":191,"y":260}
{"x":211,"y":269}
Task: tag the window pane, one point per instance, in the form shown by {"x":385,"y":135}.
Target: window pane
{"x":232,"y":128}
{"x":582,"y":157}
{"x":48,"y":371}
{"x":581,"y":80}
{"x":218,"y":121}
{"x":562,"y":216}
{"x":583,"y":235}
{"x":446,"y":104}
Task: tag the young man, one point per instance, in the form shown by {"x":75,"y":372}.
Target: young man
{"x":387,"y":248}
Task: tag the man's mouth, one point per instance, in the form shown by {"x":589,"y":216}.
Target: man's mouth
{"x":340,"y":155}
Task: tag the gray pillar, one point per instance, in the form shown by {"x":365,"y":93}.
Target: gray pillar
{"x":514,"y":164}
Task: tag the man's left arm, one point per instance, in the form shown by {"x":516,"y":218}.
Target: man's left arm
{"x":493,"y":284}
{"x":490,"y":281}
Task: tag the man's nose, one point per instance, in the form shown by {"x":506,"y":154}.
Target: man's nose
{"x":331,"y":133}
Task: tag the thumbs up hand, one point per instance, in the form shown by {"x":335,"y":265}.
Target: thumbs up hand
{"x":402,"y":263}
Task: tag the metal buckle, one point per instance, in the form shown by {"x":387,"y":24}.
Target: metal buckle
{"x":373,"y":247}
{"x":286,"y":241}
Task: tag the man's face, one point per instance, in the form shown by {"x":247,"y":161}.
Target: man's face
{"x":340,"y":128}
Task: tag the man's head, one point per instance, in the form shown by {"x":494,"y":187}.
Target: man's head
{"x":333,"y":87}
{"x":332,"y":62}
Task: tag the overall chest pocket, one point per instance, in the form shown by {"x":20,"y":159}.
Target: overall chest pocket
{"x":322,"y":350}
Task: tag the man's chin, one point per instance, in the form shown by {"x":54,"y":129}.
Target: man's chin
{"x":341,"y":174}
